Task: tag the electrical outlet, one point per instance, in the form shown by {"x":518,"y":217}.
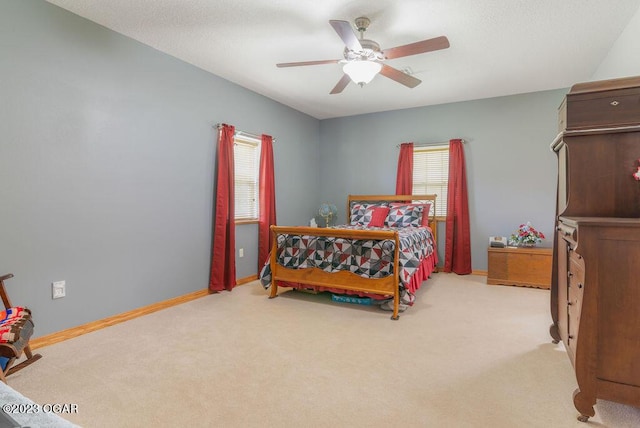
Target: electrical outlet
{"x":58,"y":289}
{"x":241,"y":252}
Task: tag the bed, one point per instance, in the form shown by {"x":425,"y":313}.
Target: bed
{"x":385,"y":252}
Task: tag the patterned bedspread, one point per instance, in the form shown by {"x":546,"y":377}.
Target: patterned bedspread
{"x":367,"y":258}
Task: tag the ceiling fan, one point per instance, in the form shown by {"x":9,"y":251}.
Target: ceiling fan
{"x":363,"y":58}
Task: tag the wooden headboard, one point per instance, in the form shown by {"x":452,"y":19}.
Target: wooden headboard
{"x":399,"y":198}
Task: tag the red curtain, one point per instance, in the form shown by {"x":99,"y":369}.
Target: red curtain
{"x":404,"y":178}
{"x":267,"y":205}
{"x":458,"y":237}
{"x":223,"y":260}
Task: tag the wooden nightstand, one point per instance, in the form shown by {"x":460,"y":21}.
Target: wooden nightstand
{"x":525,"y":267}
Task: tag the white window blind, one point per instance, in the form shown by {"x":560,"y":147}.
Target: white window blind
{"x":431,"y":174}
{"x":246,"y":169}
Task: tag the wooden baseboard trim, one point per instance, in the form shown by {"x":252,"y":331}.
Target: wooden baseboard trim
{"x":246,"y":279}
{"x":473,"y":272}
{"x":70,"y":333}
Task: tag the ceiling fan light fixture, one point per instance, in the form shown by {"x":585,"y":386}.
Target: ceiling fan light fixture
{"x":363,"y":71}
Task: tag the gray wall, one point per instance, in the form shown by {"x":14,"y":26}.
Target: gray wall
{"x":511,"y":172}
{"x":107,"y":157}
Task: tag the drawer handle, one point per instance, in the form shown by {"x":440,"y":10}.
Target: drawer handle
{"x":614,"y":103}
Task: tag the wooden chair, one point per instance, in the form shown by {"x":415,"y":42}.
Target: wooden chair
{"x":16,"y":328}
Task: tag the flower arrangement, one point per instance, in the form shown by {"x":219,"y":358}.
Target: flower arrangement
{"x":526,"y":236}
{"x":636,"y":174}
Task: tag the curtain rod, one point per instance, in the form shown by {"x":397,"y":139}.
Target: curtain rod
{"x":432,"y":144}
{"x":246,"y":134}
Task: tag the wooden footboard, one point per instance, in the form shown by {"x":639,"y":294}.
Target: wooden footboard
{"x":343,"y":280}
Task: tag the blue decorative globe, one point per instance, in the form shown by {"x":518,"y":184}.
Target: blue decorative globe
{"x":327,"y":211}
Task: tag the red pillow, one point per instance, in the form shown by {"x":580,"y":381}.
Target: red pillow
{"x":378,"y":216}
{"x":425,"y":211}
{"x":425,"y":214}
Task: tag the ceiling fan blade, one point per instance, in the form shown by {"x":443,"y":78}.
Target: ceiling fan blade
{"x":346,"y":33}
{"x":341,"y":84}
{"x":417,"y":48}
{"x":399,"y":76}
{"x":297,"y":64}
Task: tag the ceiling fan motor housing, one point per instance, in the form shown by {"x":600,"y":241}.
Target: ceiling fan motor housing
{"x":370,"y":51}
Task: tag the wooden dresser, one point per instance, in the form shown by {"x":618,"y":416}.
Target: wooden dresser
{"x":595,"y":286}
{"x":521,"y":266}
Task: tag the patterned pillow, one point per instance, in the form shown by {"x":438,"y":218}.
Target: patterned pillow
{"x":404,"y":215}
{"x":425,"y":211}
{"x":361,"y":212}
{"x":358,"y":211}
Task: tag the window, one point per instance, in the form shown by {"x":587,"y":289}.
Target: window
{"x":431,"y":174}
{"x":246,"y":152}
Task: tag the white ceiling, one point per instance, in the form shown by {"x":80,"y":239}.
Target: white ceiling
{"x":498,"y":47}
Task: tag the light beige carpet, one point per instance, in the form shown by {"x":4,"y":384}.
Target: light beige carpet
{"x":465,"y":355}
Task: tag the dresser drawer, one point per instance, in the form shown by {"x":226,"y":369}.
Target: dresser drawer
{"x":575,"y":287}
{"x":576,"y":264}
{"x":622,"y":109}
{"x":573,"y":325}
{"x":605,"y":104}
